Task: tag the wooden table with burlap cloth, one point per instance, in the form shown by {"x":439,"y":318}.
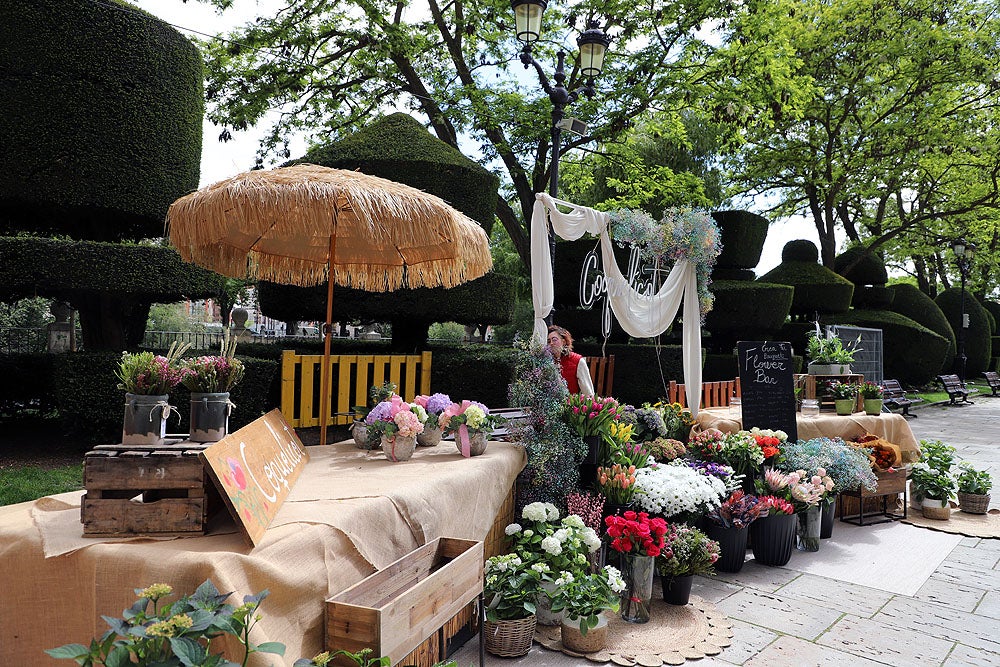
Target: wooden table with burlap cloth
{"x":888,"y":426}
{"x":350,"y":513}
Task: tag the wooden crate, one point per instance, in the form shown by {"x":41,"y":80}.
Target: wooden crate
{"x":400,"y":607}
{"x":146,"y":490}
{"x":862,"y":507}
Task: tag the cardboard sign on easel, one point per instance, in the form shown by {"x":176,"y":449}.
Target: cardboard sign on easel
{"x":255,"y":469}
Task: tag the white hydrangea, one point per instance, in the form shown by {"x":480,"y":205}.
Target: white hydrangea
{"x":591,"y":539}
{"x":564,"y":578}
{"x":615,"y":580}
{"x":534,"y":512}
{"x":540,"y":568}
{"x":562,"y":535}
{"x":675,"y":488}
{"x":512,"y":529}
{"x":528,"y":532}
{"x":551,"y":512}
{"x":552,"y":546}
{"x":574,"y":521}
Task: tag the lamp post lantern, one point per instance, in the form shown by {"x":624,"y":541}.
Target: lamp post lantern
{"x":593,"y":45}
{"x":963,"y":256}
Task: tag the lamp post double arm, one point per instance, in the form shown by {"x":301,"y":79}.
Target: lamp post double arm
{"x":593,"y":45}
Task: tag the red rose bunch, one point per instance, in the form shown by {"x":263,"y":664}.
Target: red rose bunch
{"x":636,"y":533}
{"x":768,"y":444}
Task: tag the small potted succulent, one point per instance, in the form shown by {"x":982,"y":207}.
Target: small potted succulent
{"x":973,"y":489}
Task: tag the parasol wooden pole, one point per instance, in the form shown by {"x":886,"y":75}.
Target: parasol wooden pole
{"x":325,"y":400}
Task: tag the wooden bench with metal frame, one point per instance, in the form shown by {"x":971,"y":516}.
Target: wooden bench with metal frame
{"x":993,"y":380}
{"x":893,"y":395}
{"x":955,"y":388}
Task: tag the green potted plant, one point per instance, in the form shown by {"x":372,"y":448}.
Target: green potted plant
{"x":147,"y":379}
{"x":152,"y":632}
{"x":845,"y":396}
{"x":828,"y":355}
{"x":973,"y":489}
{"x":871,"y":394}
{"x":584,"y":598}
{"x":511,"y":588}
{"x":687,"y":552}
{"x":937,"y":487}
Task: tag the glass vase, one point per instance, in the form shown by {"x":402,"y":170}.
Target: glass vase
{"x":637,"y":571}
{"x":810,"y":522}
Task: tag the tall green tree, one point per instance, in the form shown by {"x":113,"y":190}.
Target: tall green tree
{"x":329,"y":66}
{"x":896,"y":125}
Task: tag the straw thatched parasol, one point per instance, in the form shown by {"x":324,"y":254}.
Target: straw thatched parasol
{"x":302,"y":224}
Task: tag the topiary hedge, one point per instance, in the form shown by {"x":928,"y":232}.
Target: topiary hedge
{"x":873,"y":297}
{"x":28,"y":382}
{"x":399,"y":148}
{"x":800,"y":250}
{"x":867,"y":269}
{"x":914,"y":304}
{"x":743,"y":235}
{"x":817,"y":288}
{"x":66,"y":269}
{"x":486,"y":300}
{"x":993,"y":308}
{"x":102,"y":119}
{"x":746,"y":311}
{"x":978,"y":350}
{"x":911,"y":353}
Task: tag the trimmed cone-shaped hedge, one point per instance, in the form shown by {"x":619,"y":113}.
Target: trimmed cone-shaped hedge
{"x":800,"y":250}
{"x":911,"y":353}
{"x":993,"y":308}
{"x":743,"y":235}
{"x":817,"y":288}
{"x":399,"y":148}
{"x":914,"y":304}
{"x":746,"y":311}
{"x":869,"y":269}
{"x":102,"y":119}
{"x":873,"y":297}
{"x":977,"y":336}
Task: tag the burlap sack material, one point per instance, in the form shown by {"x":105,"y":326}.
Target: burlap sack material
{"x":961,"y":523}
{"x":673,"y":635}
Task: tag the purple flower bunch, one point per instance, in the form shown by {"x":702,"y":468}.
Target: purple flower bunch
{"x":381,"y":412}
{"x":712,"y":469}
{"x":212,"y":374}
{"x":434,"y":405}
{"x":151,"y":374}
{"x":737,"y":511}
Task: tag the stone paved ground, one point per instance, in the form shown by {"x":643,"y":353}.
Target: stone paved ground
{"x":952,"y":621}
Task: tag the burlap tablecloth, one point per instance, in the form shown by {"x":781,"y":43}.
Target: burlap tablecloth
{"x":350,"y":513}
{"x":890,"y":426}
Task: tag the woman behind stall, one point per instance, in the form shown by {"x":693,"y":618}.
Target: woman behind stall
{"x":572,"y":365}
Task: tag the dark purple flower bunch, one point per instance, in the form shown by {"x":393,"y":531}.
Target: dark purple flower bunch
{"x":712,"y":469}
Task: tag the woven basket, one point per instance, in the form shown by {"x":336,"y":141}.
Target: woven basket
{"x":936,"y":512}
{"x":974,"y":503}
{"x":509,"y":639}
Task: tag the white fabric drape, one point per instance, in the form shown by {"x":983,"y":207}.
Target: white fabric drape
{"x":641,"y":316}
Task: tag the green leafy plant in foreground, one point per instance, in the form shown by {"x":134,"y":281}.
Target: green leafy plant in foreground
{"x":177,"y":634}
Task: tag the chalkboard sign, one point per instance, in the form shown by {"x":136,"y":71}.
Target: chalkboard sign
{"x":767,"y":387}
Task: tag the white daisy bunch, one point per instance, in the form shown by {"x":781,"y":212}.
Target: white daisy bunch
{"x":673,"y":489}
{"x":615,"y":580}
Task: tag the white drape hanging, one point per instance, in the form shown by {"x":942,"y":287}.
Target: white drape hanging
{"x":641,"y":316}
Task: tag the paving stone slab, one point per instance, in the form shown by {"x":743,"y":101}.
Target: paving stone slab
{"x":959,"y":574}
{"x":779,"y":614}
{"x":990,"y":605}
{"x":713,"y":589}
{"x":795,"y":652}
{"x":885,"y":642}
{"x":980,"y":632}
{"x":980,"y":559}
{"x":947,"y":594}
{"x":759,"y":577}
{"x":965,"y":656}
{"x":748,"y":640}
{"x":840,"y":595}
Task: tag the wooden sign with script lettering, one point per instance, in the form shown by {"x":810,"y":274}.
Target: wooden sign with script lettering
{"x":255,"y":469}
{"x":767,"y":387}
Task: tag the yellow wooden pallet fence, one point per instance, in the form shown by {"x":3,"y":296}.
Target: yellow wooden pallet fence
{"x":352,"y":375}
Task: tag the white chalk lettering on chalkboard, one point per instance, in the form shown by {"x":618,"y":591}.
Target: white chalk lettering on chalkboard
{"x":761,"y":362}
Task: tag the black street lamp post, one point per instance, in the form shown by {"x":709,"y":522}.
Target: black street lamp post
{"x":963,"y":256}
{"x":593,"y":45}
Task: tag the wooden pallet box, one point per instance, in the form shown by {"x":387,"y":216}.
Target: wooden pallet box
{"x":398,"y":608}
{"x":146,"y":490}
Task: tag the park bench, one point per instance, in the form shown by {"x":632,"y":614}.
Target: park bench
{"x":713,"y":394}
{"x":894,"y":396}
{"x":993,"y":380}
{"x":955,"y":388}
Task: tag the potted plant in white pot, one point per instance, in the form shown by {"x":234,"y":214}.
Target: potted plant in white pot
{"x":828,"y":355}
{"x":937,"y":487}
